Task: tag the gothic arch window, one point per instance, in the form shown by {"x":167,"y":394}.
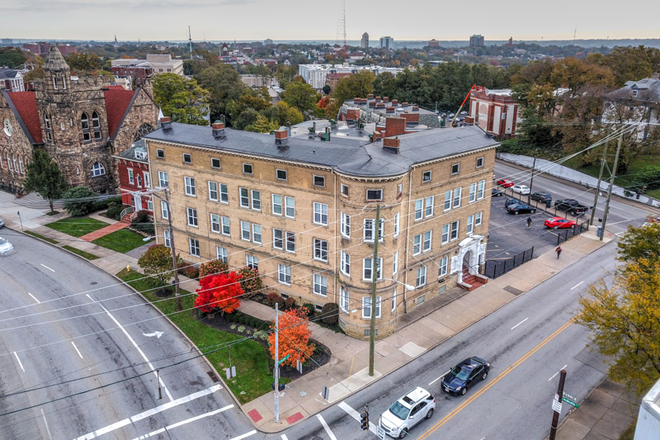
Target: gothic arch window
{"x":144,"y":129}
{"x":98,"y":169}
{"x":77,"y":171}
{"x":96,"y":125}
{"x":84,"y":122}
{"x":15,"y":163}
{"x":55,"y":83}
{"x":20,"y":164}
{"x":49,"y":136}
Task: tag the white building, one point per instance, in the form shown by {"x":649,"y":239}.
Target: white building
{"x":315,"y":74}
{"x":159,"y":63}
{"x":648,"y":421}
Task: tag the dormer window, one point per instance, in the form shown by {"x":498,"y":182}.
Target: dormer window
{"x":635,"y":92}
{"x":84,"y":122}
{"x":96,"y":125}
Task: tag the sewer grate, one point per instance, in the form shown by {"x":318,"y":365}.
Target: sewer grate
{"x":513,"y":290}
{"x":213,"y":377}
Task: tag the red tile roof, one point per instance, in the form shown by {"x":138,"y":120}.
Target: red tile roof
{"x":26,"y":105}
{"x":117,"y":100}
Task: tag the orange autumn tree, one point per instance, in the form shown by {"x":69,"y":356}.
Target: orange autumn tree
{"x":294,"y":338}
{"x":219,"y":292}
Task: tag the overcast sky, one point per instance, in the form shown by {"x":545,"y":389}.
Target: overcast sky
{"x":227,"y":20}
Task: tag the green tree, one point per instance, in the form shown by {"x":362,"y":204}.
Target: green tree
{"x":84,"y":62}
{"x":181,"y":99}
{"x":281,"y":113}
{"x":640,"y":244}
{"x":357,"y":85}
{"x":79,"y":201}
{"x":301,"y":96}
{"x":224,"y":84}
{"x":262,"y":125}
{"x":44,"y":177}
{"x":157,"y":262}
{"x":12,"y":57}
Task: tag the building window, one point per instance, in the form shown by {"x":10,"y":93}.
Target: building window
{"x":189,"y":183}
{"x":215,"y":223}
{"x":345,"y":225}
{"x":244,"y":195}
{"x":344,"y":190}
{"x":256,"y":233}
{"x":160,"y":154}
{"x":320,"y":250}
{"x":417,"y":244}
{"x":320,"y":285}
{"x":48,"y":127}
{"x":480,"y":162}
{"x":245,"y":231}
{"x":455,"y":168}
{"x":194,"y":247}
{"x":368,"y":230}
{"x":215,"y":163}
{"x":397,"y":224}
{"x":428,"y":239}
{"x":343,"y":299}
{"x":319,"y":181}
{"x":428,"y":212}
{"x":345,"y":263}
{"x":290,"y":242}
{"x":187,"y":158}
{"x":54,"y":83}
{"x":478,"y":218}
{"x":473,"y":192}
{"x":321,"y":214}
{"x":420,"y":280}
{"x":280,"y":174}
{"x":426,"y":176}
{"x":131,"y":177}
{"x":480,"y":191}
{"x":374,"y":194}
{"x":395,"y":263}
{"x":163,"y":210}
{"x":278,"y":239}
{"x":289,"y":207}
{"x":147,"y":179}
{"x":167,"y":241}
{"x":277,"y":204}
{"x":213,"y":191}
{"x":424,"y":207}
{"x":247,"y":168}
{"x":442,"y":266}
{"x":445,"y":233}
{"x":256,"y":200}
{"x":284,"y":274}
{"x":457,"y":197}
{"x":399,"y":189}
{"x":163,"y":179}
{"x":224,"y":193}
{"x":225,"y":225}
{"x":150,"y":205}
{"x":192,"y":216}
{"x":448,"y":200}
{"x":84,"y":122}
{"x":366,"y":307}
{"x":454,"y":230}
{"x":470,"y":224}
{"x":251,"y":261}
{"x":96,"y":125}
{"x":98,"y":169}
{"x":367,"y":273}
{"x":221,"y":253}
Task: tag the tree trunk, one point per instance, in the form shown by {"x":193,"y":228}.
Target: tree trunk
{"x":50,"y":202}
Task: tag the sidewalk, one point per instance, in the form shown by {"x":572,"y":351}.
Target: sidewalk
{"x":600,"y":416}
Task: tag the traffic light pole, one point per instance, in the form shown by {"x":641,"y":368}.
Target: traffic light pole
{"x":276,"y":371}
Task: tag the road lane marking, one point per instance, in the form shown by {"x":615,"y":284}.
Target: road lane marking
{"x":577,"y":285}
{"x":435,"y":380}
{"x":150,"y":412}
{"x":184,"y":422}
{"x":356,"y":415}
{"x":46,"y":423}
{"x":34,"y":298}
{"x":284,"y":437}
{"x":137,"y":347}
{"x":247,"y":434}
{"x":20,"y":364}
{"x":519,"y":323}
{"x":326,"y":427}
{"x":77,"y":351}
{"x":47,"y":267}
{"x":555,"y":375}
{"x":493,"y":382}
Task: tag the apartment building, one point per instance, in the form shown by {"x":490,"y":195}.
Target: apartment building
{"x":302,"y":210}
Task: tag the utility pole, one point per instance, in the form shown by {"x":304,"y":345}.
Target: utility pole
{"x":531,"y":181}
{"x":190,"y":41}
{"x":374,"y":278}
{"x":609,"y":191}
{"x":276,"y":371}
{"x":177,"y":293}
{"x":558,"y":397}
{"x":600,"y":177}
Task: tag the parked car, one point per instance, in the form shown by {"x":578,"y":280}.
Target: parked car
{"x":465,"y":374}
{"x":2,"y":224}
{"x":494,"y":192}
{"x":520,"y":189}
{"x":571,"y":206}
{"x":559,"y":223}
{"x":5,"y":246}
{"x":407,"y":412}
{"x":541,"y":196}
{"x":505,"y":183}
{"x":517,"y":208}
{"x":509,"y":202}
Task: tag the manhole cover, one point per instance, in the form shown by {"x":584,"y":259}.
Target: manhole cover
{"x":93,"y":283}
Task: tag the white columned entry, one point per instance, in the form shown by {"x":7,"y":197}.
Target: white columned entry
{"x":475,"y":248}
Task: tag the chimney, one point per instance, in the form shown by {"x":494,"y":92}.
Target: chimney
{"x":469,"y":120}
{"x":166,"y":124}
{"x":372,"y":104}
{"x":395,"y":126}
{"x":377,"y":135}
{"x":380,"y":105}
{"x":370,"y":96}
{"x":411,"y":118}
{"x":389,"y":109}
{"x":280,"y":136}
{"x":386,"y":99}
{"x":415,"y":108}
{"x":395,"y":102}
{"x":404,"y":104}
{"x":218,"y":130}
{"x":391,"y":144}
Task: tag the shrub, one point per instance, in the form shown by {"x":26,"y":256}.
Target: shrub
{"x":253,"y":322}
{"x":189,"y":271}
{"x":250,"y":281}
{"x":114,"y":211}
{"x":143,"y":222}
{"x":157,"y":261}
{"x":330,"y":313}
{"x":229,"y":317}
{"x":272,"y":298}
{"x":212,"y":268}
{"x":106,"y":203}
{"x":280,"y":302}
{"x":289,"y":303}
{"x":79,"y":201}
{"x":309,"y":308}
{"x":648,"y":176}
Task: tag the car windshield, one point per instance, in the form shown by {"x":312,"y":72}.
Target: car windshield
{"x":2,"y":241}
{"x":460,"y":373}
{"x":399,"y":410}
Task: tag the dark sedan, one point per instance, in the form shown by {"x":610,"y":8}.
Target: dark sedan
{"x":541,"y":197}
{"x":496,"y":193}
{"x":465,"y":374}
{"x":518,"y":208}
{"x":509,"y":202}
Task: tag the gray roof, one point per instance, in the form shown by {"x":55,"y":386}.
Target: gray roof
{"x":648,"y":89}
{"x":55,"y":61}
{"x":137,"y":152}
{"x":348,"y":155}
{"x":8,"y":73}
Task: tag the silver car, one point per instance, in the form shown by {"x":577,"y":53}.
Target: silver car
{"x":407,"y":412}
{"x":5,"y":246}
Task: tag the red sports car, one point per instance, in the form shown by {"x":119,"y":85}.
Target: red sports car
{"x":505,"y":183}
{"x":559,"y":223}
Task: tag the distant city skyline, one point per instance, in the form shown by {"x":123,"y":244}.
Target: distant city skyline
{"x":226,"y":20}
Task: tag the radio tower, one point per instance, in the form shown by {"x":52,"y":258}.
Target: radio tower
{"x":341,"y":29}
{"x":190,"y":41}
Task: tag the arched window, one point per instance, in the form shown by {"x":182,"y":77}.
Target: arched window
{"x":15,"y":164}
{"x":49,"y":136}
{"x":96,"y":125}
{"x":84,"y":121}
{"x":20,"y":164}
{"x":98,"y":169}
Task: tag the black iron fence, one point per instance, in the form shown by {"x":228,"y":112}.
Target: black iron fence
{"x":566,"y":234}
{"x":496,"y":268}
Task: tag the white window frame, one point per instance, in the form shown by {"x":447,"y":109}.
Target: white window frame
{"x":374,"y":199}
{"x":163,"y":179}
{"x":455,"y":230}
{"x":345,"y":265}
{"x":345,"y":225}
{"x":189,"y":183}
{"x":224,"y":193}
{"x":245,"y":169}
{"x":319,"y":284}
{"x":320,"y":254}
{"x":320,"y":214}
{"x":188,"y":156}
{"x":458,"y":168}
{"x":419,"y":209}
{"x":428,"y":209}
{"x":221,"y":254}
{"x":244,"y":199}
{"x":321,"y":181}
{"x":426,"y":179}
{"x":397,"y":224}
{"x":214,"y":221}
{"x":213,"y":191}
{"x":290,"y":242}
{"x":448,"y":199}
{"x":289,"y":207}
{"x":219,"y":163}
{"x":255,"y":200}
{"x":393,"y":300}
{"x":163,"y":209}
{"x":481,"y":189}
{"x":256,"y":233}
{"x":344,"y":299}
{"x":473,"y":192}
{"x":427,"y":242}
{"x":445,"y":233}
{"x":343,"y":190}
{"x":278,"y":207}
{"x":458,"y":192}
{"x":278,"y":239}
{"x":193,"y":247}
{"x":131,"y":176}
{"x":225,"y":225}
{"x":251,"y":261}
{"x":443,"y":266}
{"x":245,"y":231}
{"x":420,"y":278}
{"x":367,"y":266}
{"x":191,"y":214}
{"x":395,"y":263}
{"x":277,"y":172}
{"x":480,"y":162}
{"x":478,"y":218}
{"x":284,"y":274}
{"x":167,"y":241}
{"x":368,"y":231}
{"x":470,"y":224}
{"x":147,"y":179}
{"x":366,"y":307}
{"x":417,"y":244}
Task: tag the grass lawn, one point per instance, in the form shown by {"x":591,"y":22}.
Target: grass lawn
{"x":77,"y":226}
{"x":120,"y":241}
{"x":34,"y":234}
{"x":250,"y":357}
{"x":82,"y":253}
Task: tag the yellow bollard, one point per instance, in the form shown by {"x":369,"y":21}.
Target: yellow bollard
{"x":128,"y":268}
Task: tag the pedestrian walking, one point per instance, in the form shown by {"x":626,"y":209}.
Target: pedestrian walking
{"x":529,"y":222}
{"x":558,"y":250}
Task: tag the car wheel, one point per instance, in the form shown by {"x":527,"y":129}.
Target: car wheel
{"x":484,"y":376}
{"x":515,"y":212}
{"x":464,"y":391}
{"x":404,"y":433}
{"x":429,"y":414}
{"x":555,"y":227}
{"x":533,"y":211}
{"x":572,"y":226}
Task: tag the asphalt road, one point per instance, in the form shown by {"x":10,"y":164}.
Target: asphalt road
{"x":528,"y":341}
{"x":79,"y":354}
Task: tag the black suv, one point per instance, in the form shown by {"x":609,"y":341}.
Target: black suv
{"x":467,"y":373}
{"x":541,"y":197}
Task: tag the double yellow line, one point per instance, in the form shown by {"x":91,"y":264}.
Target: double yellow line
{"x":499,"y":377}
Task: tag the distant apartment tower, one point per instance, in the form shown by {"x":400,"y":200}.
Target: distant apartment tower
{"x":387,"y":43}
{"x":434,"y":43}
{"x":364,"y":43}
{"x":268,"y":41}
{"x":476,"y":41}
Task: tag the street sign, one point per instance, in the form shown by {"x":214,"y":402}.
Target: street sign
{"x":570,"y":397}
{"x":570,"y":402}
{"x":556,"y":406}
{"x":284,"y":358}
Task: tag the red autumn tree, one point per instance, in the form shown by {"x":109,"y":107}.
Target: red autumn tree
{"x":294,"y":338}
{"x":219,"y":292}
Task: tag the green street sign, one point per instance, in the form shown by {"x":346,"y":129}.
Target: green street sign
{"x":284,"y":358}
{"x":570,"y":402}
